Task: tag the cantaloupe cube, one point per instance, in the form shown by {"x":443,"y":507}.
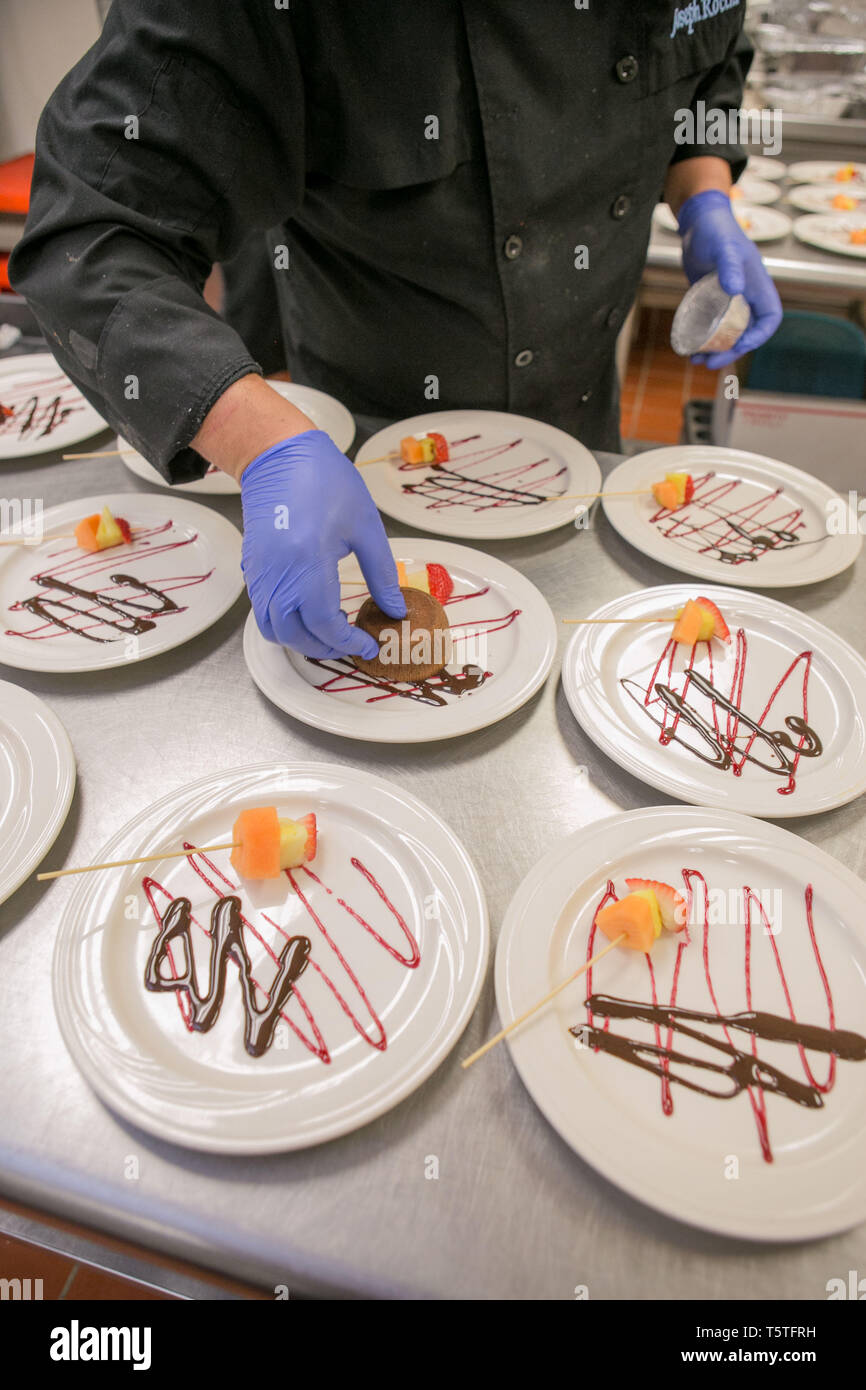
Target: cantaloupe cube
{"x":690,"y":623}
{"x":85,"y":532}
{"x":632,"y":916}
{"x":256,"y":833}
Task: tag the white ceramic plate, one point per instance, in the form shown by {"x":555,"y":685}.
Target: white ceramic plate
{"x":764,"y":168}
{"x":384,"y":1002}
{"x":325,"y":412}
{"x":760,"y":223}
{"x":188,"y":555}
{"x":503,"y":632}
{"x":501,"y":468}
{"x":818,"y":197}
{"x":780,"y":666}
{"x":749,"y":189}
{"x":704,"y":1161}
{"x":832,"y":231}
{"x":758,"y":495}
{"x":37,"y":779}
{"x":825,"y":171}
{"x":48,"y":412}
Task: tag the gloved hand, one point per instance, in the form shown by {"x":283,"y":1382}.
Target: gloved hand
{"x":306,"y":507}
{"x":713,"y":240}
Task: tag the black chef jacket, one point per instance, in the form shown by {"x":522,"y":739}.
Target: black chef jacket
{"x":426,"y":174}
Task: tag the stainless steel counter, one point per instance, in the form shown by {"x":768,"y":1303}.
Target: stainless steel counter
{"x":789,"y":261}
{"x":514,"y":1213}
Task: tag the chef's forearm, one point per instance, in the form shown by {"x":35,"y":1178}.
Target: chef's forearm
{"x":690,"y":176}
{"x":247,"y":419}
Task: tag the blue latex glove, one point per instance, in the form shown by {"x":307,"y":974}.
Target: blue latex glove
{"x":713,"y":240}
{"x":305,"y":508}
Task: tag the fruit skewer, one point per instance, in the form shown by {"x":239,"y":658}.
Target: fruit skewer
{"x":263,"y":844}
{"x":635,"y":921}
{"x":699,"y":620}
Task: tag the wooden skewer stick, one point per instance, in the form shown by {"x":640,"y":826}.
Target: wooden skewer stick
{"x":362,"y":463}
{"x":106,"y":454}
{"x":141,"y":859}
{"x":468,"y":1061}
{"x":573,"y":496}
{"x":619,"y":620}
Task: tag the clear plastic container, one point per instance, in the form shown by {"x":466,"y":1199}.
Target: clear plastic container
{"x":708,"y":319}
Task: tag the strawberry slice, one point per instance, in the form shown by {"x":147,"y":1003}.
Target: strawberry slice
{"x":440,"y":447}
{"x":440,"y":583}
{"x":720,"y":627}
{"x":690,"y":488}
{"x":672,"y":905}
{"x":309,"y":823}
{"x":125,"y":529}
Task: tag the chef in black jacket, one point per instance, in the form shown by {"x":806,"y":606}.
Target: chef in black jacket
{"x":456,"y":197}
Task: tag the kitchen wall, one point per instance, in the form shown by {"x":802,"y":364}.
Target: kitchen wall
{"x":40,"y":40}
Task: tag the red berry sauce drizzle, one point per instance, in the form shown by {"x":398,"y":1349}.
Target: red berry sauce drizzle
{"x":125,"y":607}
{"x":477,"y":490}
{"x":227,"y":926}
{"x":738,"y":1068}
{"x":346,"y":677}
{"x":717,"y":739}
{"x":34,"y":409}
{"x":739,"y":536}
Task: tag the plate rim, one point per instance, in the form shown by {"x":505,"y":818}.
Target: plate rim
{"x":64,"y":1009}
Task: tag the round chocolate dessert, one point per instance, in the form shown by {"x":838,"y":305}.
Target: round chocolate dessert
{"x":411,"y":649}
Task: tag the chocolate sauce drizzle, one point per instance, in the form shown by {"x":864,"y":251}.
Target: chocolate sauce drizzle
{"x":129,"y":616}
{"x":718,"y":536}
{"x":406,"y":953}
{"x":346,"y":677}
{"x":449,"y":487}
{"x":721,"y":754}
{"x":66,"y":606}
{"x":720,"y":748}
{"x":227,"y":938}
{"x":429,"y":692}
{"x":743,"y":1071}
{"x":38,"y":408}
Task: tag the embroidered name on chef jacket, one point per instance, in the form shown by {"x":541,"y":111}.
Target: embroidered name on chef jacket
{"x":696,"y":13}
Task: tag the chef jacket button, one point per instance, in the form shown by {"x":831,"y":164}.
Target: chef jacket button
{"x":614,"y":318}
{"x":523,"y":358}
{"x":512,"y":248}
{"x":620,"y":206}
{"x":626,"y":68}
{"x":585,"y":397}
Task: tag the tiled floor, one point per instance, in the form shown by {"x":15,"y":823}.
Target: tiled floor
{"x":658,"y":383}
{"x":68,"y":1276}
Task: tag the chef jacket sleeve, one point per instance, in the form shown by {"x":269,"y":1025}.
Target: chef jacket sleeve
{"x":177,"y":134}
{"x":721,"y":89}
